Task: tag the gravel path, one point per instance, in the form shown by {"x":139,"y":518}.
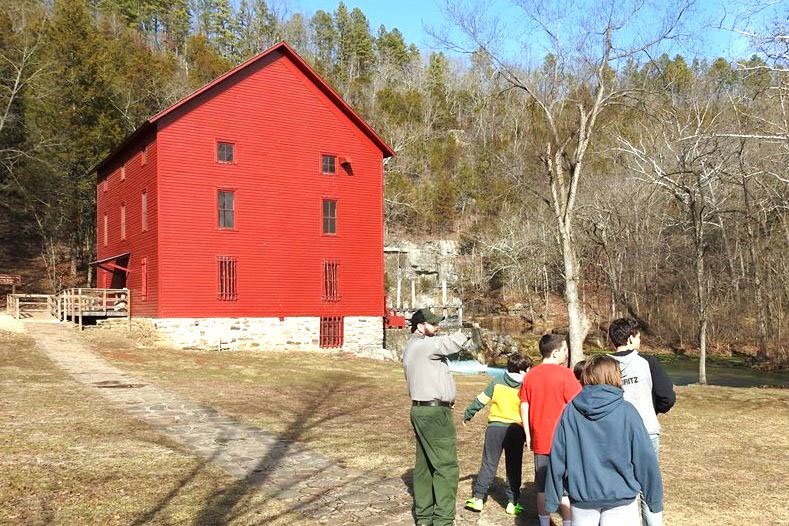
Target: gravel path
{"x":307,"y":481}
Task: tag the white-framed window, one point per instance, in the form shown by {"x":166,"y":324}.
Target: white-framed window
{"x":328,"y":164}
{"x":225,"y":152}
{"x":329,"y":216}
{"x":227,"y":208}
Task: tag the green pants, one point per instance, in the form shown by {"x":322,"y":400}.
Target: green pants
{"x":436,"y":470}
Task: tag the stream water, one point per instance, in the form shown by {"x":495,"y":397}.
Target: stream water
{"x":683,"y":371}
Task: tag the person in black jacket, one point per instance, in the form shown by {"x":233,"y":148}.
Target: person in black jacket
{"x":644,"y":381}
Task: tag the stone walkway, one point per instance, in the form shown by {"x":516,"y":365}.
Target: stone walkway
{"x":308,"y":482}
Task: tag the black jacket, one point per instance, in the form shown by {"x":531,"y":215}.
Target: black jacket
{"x":663,"y":397}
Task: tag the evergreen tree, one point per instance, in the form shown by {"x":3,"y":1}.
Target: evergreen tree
{"x":203,"y":61}
{"x":438,"y":90}
{"x":258,"y":28}
{"x":391,"y":48}
{"x":325,"y":39}
{"x":175,"y":18}
{"x":78,"y":114}
{"x":223,"y":31}
{"x":360,"y":43}
{"x":294,"y":31}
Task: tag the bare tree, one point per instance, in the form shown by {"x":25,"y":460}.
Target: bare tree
{"x":584,"y":43}
{"x":677,"y":151}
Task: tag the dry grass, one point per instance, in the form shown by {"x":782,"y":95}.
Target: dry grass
{"x":68,"y":457}
{"x":724,"y":451}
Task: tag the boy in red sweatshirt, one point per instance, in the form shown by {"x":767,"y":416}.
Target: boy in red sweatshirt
{"x":546,"y":390}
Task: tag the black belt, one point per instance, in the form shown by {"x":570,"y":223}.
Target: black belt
{"x":432,"y":403}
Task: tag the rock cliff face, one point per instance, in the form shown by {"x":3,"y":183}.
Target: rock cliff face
{"x":425,"y":272}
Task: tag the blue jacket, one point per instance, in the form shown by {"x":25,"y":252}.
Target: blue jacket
{"x":601,"y":454}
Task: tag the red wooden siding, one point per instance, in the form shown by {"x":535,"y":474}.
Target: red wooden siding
{"x":139,"y":243}
{"x":280,"y":120}
{"x":280,"y":123}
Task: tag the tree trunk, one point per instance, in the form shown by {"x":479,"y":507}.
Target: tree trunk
{"x":703,"y":350}
{"x":578,"y":323}
{"x":756,"y":274}
{"x":760,"y":304}
{"x":49,"y":255}
{"x":701,"y":294}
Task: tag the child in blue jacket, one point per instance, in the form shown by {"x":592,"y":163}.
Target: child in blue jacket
{"x":601,"y":454}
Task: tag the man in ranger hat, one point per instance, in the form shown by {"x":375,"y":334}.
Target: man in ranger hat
{"x":432,"y":392}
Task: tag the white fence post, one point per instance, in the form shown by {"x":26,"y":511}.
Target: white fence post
{"x":79,"y":307}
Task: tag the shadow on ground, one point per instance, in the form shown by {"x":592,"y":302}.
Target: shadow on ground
{"x":497,"y":496}
{"x":233,"y":502}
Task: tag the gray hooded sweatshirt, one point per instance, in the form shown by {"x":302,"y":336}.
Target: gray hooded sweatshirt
{"x":637,"y":384}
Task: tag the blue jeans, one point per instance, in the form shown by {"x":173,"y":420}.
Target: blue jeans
{"x":649,"y":518}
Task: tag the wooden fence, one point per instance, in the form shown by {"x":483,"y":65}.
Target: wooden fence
{"x":73,"y":304}
{"x":77,"y":304}
{"x":22,"y":305}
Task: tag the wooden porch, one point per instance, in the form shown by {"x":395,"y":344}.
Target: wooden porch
{"x":74,"y":304}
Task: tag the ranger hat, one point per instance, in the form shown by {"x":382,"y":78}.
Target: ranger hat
{"x":425,"y":316}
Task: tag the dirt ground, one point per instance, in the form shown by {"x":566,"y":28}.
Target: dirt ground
{"x":718,"y":447}
{"x":68,"y":457}
{"x":724,"y":451}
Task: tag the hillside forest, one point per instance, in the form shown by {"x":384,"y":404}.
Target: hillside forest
{"x":600,"y":168}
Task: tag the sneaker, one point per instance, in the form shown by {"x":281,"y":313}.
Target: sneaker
{"x":474,"y":504}
{"x":513,"y":508}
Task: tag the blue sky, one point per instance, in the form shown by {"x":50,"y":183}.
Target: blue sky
{"x":411,"y":17}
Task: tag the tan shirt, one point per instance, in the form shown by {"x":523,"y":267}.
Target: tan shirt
{"x":426,"y":366}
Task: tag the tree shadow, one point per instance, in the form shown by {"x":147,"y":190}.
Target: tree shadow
{"x":497,"y":493}
{"x":323,"y":403}
{"x":148,"y":516}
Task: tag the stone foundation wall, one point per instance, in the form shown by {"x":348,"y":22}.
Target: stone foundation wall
{"x":363,"y":335}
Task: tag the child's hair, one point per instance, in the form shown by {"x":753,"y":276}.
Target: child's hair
{"x":601,"y":369}
{"x":578,"y":369}
{"x":549,"y":343}
{"x":622,"y":329}
{"x":517,"y":362}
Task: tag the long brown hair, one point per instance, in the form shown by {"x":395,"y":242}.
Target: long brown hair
{"x":601,"y":369}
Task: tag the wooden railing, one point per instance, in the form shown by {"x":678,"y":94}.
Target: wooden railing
{"x":72,"y":304}
{"x":21,"y":305}
{"x":76,"y":304}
